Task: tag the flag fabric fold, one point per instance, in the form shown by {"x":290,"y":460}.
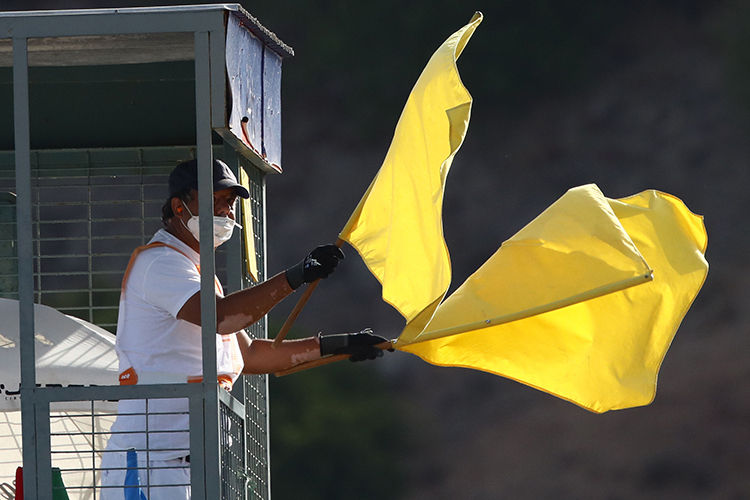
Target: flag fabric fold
{"x":398,"y":223}
{"x":575,"y":250}
{"x":566,"y":305}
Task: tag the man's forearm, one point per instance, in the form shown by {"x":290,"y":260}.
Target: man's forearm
{"x":260,"y":357}
{"x":241,"y":309}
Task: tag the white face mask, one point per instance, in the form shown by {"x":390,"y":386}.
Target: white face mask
{"x":223,"y":228}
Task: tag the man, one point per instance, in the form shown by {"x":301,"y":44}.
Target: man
{"x":159,"y":333}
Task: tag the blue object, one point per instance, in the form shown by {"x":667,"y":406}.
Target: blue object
{"x":132,"y":479}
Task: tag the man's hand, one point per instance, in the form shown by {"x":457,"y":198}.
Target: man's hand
{"x":318,"y":264}
{"x":360,"y":346}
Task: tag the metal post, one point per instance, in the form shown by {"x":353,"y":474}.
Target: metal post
{"x":25,"y":262}
{"x":210,"y":452}
{"x":218,"y":79}
{"x":43,"y":447}
{"x":264,"y":334}
{"x":233,"y":246}
{"x":197,"y":438}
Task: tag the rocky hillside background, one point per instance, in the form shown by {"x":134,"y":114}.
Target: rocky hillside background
{"x":630,"y":96}
{"x":659,"y":112}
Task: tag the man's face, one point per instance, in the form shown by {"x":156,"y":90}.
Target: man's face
{"x":225,"y":203}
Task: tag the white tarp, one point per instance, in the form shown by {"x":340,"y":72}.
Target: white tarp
{"x":68,"y":351}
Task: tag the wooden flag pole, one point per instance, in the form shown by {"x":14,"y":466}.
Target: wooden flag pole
{"x":327,"y":360}
{"x":298,"y":308}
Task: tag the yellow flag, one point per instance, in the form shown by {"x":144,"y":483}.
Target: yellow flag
{"x":555,"y":308}
{"x":251,"y":260}
{"x":397,"y":227}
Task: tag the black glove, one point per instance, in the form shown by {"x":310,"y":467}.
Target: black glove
{"x":360,"y":346}
{"x":317,"y":265}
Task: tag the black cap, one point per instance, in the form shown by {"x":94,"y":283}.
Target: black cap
{"x":185,"y":175}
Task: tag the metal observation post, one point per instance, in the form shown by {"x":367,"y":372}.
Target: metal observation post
{"x":96,"y":108}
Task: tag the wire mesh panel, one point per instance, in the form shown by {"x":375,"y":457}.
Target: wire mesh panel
{"x":78,"y":435}
{"x":77,"y":440}
{"x":232,"y":437}
{"x":154,"y":432}
{"x":8,"y":252}
{"x":256,"y":386}
{"x":91,"y":209}
{"x":256,"y":413}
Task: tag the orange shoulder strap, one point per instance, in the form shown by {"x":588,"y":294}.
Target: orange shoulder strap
{"x":157,"y":244}
{"x":137,"y":252}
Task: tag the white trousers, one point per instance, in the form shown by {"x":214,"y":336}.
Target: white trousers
{"x":160,"y":479}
